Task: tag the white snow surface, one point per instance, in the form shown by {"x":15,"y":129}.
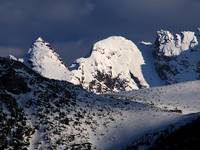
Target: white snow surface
{"x":117,"y":64}
{"x":115,"y":124}
{"x":114,"y":56}
{"x":12,"y":57}
{"x":182,"y":96}
{"x":111,"y":122}
{"x":181,"y":56}
{"x":44,"y":60}
{"x":173,"y":45}
{"x":149,"y":111}
{"x":148,"y":68}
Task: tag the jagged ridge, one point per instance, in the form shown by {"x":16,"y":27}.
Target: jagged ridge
{"x":177,"y":58}
{"x":116,"y":64}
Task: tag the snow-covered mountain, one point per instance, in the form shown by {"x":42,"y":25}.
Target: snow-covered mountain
{"x":39,"y":113}
{"x":43,"y":59}
{"x":177,"y":57}
{"x":169,"y":45}
{"x":115,"y":64}
{"x":52,"y":113}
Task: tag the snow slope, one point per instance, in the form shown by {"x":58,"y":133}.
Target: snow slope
{"x":182,"y":97}
{"x":148,"y":68}
{"x":60,"y":115}
{"x":44,"y":60}
{"x":114,"y":65}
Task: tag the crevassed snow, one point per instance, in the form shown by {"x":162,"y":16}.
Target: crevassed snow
{"x":44,"y":60}
{"x":116,"y":57}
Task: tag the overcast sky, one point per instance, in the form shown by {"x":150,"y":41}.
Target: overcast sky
{"x":72,"y":26}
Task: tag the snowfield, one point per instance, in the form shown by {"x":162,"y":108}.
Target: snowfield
{"x":60,"y":115}
{"x":183,"y":96}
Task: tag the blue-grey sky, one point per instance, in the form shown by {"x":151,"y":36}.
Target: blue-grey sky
{"x":72,"y":26}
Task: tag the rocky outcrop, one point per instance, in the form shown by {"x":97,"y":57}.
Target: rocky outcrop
{"x":177,"y":56}
{"x":114,"y":65}
{"x":169,"y":45}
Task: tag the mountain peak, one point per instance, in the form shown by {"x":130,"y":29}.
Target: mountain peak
{"x":177,"y":56}
{"x":112,"y":44}
{"x":39,"y":39}
{"x":114,"y":65}
{"x":168,"y":44}
{"x":43,"y":59}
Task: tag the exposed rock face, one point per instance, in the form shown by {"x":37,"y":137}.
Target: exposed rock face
{"x":44,"y":60}
{"x":177,"y":57}
{"x":169,"y":45}
{"x":47,"y":114}
{"x":35,"y":111}
{"x":114,"y":65}
{"x":13,"y":83}
{"x":50,"y":114}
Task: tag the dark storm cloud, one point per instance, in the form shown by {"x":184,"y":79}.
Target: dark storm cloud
{"x":143,"y":17}
{"x":73,"y":25}
{"x":25,"y":18}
